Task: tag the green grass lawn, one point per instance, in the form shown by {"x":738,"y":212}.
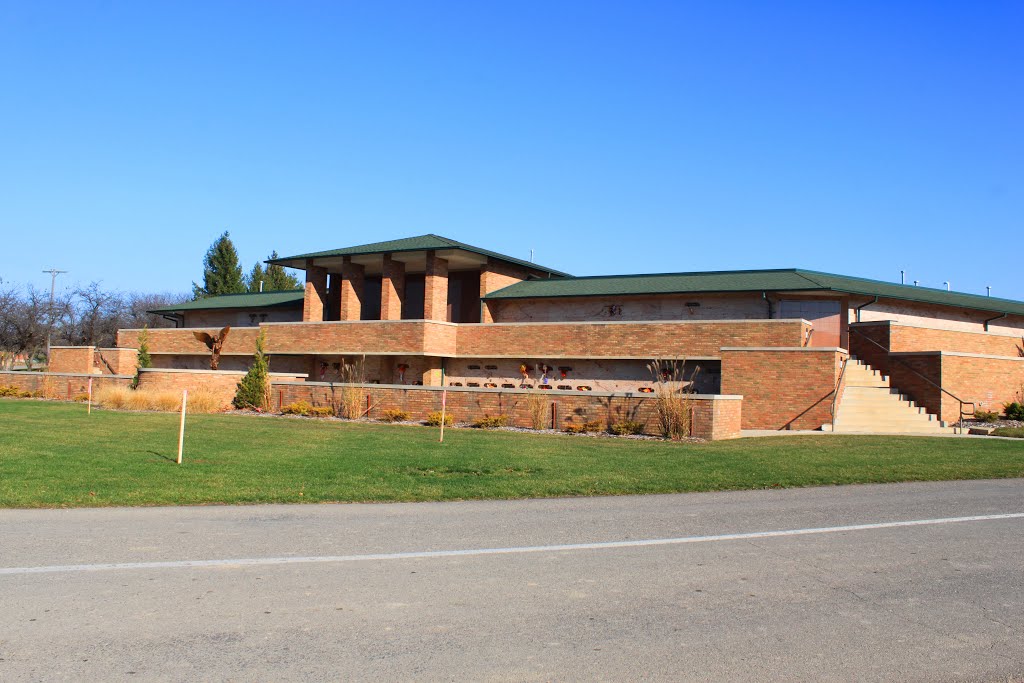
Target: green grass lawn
{"x":53,"y":455}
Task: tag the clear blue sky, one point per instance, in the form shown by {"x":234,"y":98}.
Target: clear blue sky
{"x":859,"y":138}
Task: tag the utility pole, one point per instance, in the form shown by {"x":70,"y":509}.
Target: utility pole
{"x":49,"y":327}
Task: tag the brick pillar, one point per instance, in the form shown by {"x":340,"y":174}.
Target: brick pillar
{"x":432,"y":372}
{"x":352,"y":277}
{"x":495,"y":276}
{"x":315,"y":298}
{"x":435,"y":290}
{"x":392,"y":289}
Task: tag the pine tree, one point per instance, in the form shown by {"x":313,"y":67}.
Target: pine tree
{"x":278,"y":278}
{"x":254,"y":389}
{"x":222,"y":273}
{"x":257,"y":276}
{"x":145,"y":360}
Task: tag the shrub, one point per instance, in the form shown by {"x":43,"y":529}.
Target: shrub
{"x":254,"y":389}
{"x":573,"y":428}
{"x":81,"y":398}
{"x":626,"y":427}
{"x":394,"y":415}
{"x":307,"y":409}
{"x":1014,"y":410}
{"x":434,"y":419}
{"x":297,"y":408}
{"x":986,"y":415}
{"x":144,"y":360}
{"x":352,"y":396}
{"x":9,"y":391}
{"x":488,"y":422}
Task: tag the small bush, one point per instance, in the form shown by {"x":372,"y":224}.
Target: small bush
{"x":394,"y":415}
{"x":488,"y":422}
{"x":81,"y":398}
{"x":254,"y":389}
{"x":1014,"y":411}
{"x":586,"y":427}
{"x":6,"y":391}
{"x":626,"y":427}
{"x":434,"y":419}
{"x":986,"y":415}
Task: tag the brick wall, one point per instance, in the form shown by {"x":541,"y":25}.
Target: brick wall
{"x":61,"y":385}
{"x":624,"y":340}
{"x":782,"y":388}
{"x":715,"y":417}
{"x":376,"y":336}
{"x":897,"y":337}
{"x":117,"y":361}
{"x":240,"y":340}
{"x":222,"y":383}
{"x":76,"y":359}
{"x":987,"y":381}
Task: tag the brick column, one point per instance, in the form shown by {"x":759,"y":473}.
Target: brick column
{"x":315,"y":298}
{"x":495,"y":276}
{"x":432,"y":372}
{"x":351,"y":289}
{"x":435,"y":290}
{"x":392,"y":289}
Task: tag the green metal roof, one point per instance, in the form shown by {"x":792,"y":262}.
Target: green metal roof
{"x":789,"y":280}
{"x":278,"y":299}
{"x":421,"y":243}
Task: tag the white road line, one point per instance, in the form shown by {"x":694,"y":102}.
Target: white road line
{"x":427,"y":554}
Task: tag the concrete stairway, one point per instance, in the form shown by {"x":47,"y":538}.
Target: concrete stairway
{"x":870,"y":404}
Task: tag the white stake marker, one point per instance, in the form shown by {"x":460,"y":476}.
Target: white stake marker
{"x":181,"y":429}
{"x":444,"y":403}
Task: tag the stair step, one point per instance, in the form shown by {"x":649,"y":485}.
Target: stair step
{"x":870,"y":404}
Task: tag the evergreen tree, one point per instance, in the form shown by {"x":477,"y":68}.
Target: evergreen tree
{"x":222,"y":274}
{"x":278,"y":278}
{"x":254,"y":389}
{"x":145,"y":360}
{"x":255,"y":277}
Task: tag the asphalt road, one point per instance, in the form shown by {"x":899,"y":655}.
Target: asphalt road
{"x":935,"y":601}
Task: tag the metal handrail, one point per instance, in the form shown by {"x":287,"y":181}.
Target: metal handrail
{"x":949,"y":393}
{"x":835,"y":392}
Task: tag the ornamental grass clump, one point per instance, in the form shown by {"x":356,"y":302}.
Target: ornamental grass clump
{"x":537,"y":406}
{"x":351,"y":396}
{"x":254,"y":389}
{"x":673,"y":400}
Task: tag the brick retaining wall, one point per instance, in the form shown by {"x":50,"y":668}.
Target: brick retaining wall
{"x":715,"y":417}
{"x":61,"y":385}
{"x":783,"y":388}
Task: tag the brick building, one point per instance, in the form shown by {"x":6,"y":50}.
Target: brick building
{"x":431,"y":312}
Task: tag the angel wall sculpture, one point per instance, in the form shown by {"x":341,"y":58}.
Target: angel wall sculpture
{"x":215,"y":343}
